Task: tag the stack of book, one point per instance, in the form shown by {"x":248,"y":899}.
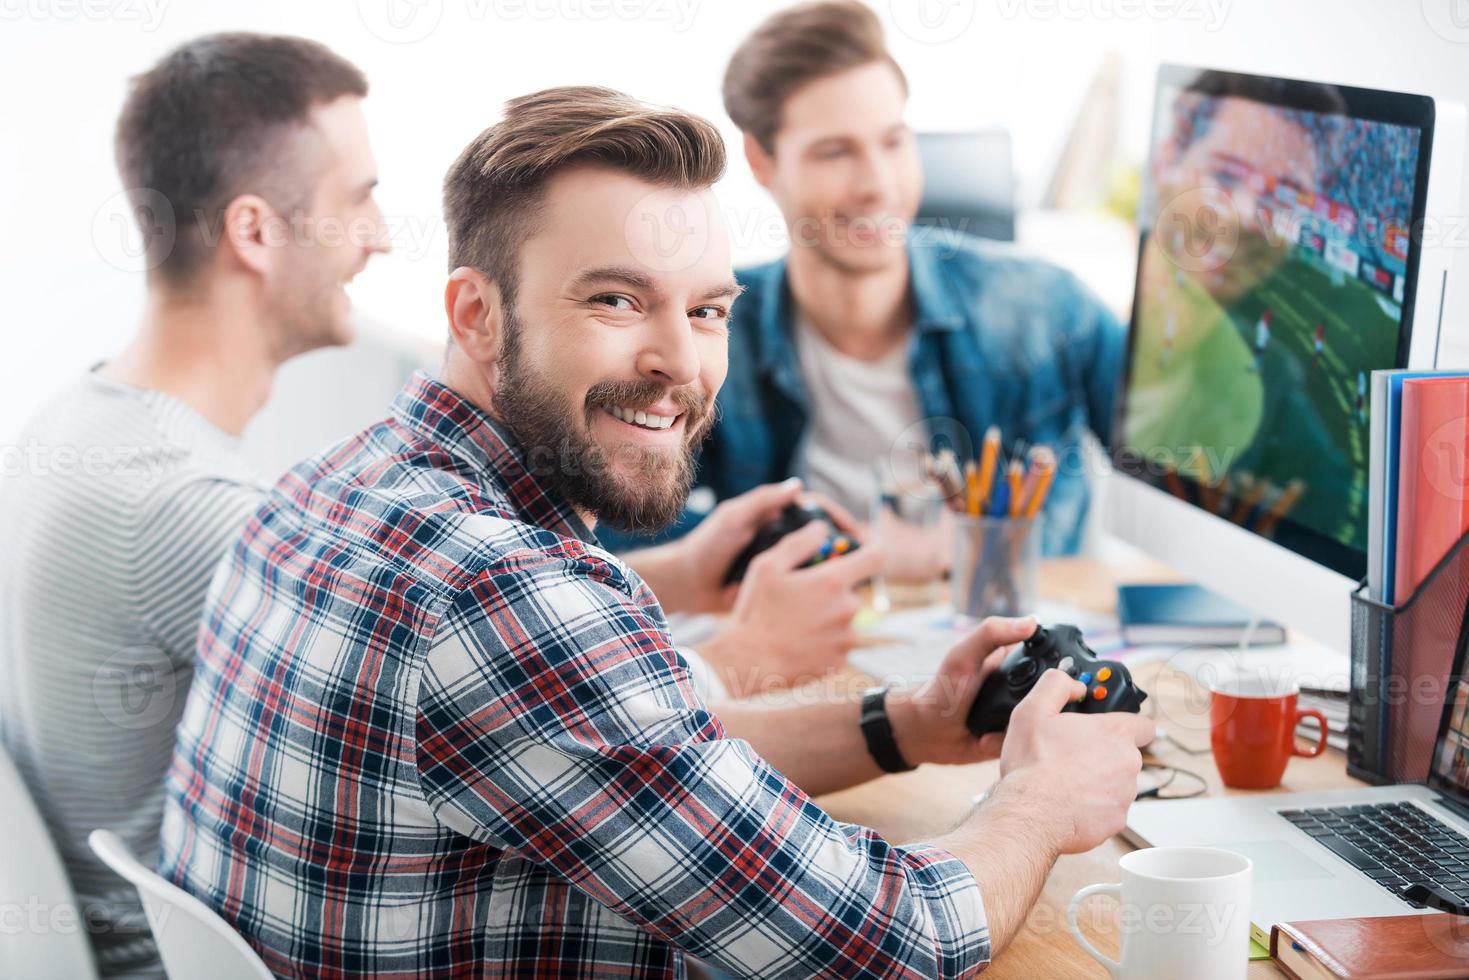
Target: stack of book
{"x":1332,"y":704}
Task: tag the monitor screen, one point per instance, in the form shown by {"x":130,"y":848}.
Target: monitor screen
{"x":1277,"y":264}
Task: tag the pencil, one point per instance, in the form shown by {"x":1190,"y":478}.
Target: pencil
{"x":988,"y":457}
{"x":1032,"y":477}
{"x":1000,"y":502}
{"x":1046,"y":463}
{"x":1013,"y":476}
{"x":971,"y":488}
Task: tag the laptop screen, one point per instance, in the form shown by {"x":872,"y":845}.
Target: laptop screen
{"x":1449,"y":773}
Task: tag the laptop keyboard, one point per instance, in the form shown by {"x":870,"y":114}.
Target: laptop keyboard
{"x":1394,"y":844}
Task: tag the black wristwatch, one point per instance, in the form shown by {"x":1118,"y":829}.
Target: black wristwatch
{"x":878,"y":732}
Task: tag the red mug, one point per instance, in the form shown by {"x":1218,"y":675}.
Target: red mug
{"x":1252,"y":728}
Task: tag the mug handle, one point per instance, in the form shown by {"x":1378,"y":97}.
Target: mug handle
{"x":1113,"y":967}
{"x":1320,"y":742}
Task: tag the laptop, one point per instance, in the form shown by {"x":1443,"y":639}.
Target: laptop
{"x":1339,"y":853}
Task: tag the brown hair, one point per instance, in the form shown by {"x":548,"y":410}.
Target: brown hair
{"x":492,"y":192}
{"x":214,"y":119}
{"x":795,"y":47}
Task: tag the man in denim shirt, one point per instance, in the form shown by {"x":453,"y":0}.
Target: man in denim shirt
{"x":871,"y":336}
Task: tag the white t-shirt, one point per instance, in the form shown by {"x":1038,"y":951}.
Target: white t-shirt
{"x":864,"y":420}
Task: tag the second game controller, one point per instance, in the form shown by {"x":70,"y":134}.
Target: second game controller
{"x":1109,"y":685}
{"x":791,"y":519}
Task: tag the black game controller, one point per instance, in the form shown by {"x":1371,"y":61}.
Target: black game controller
{"x":791,"y":519}
{"x":1109,"y":685}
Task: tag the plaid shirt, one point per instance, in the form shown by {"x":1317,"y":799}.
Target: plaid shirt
{"x":436,"y":730}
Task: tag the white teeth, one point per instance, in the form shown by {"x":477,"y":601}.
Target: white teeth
{"x":639,"y":417}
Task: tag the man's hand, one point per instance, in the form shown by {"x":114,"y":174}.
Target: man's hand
{"x":687,"y":575}
{"x":928,"y":722}
{"x":1078,"y":773}
{"x":789,"y":623}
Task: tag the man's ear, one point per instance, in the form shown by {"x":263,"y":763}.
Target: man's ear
{"x":251,"y":231}
{"x":762,"y":164}
{"x":476,"y":315}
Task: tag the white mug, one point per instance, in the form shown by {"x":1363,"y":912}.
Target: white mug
{"x":1185,"y":913}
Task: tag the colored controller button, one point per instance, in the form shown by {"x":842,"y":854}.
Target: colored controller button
{"x":1099,"y":692}
{"x":1104,"y":674}
{"x":842,"y":546}
{"x":825,"y":551}
{"x":1085,"y":678}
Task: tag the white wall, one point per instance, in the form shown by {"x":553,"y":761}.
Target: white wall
{"x":71,"y":294}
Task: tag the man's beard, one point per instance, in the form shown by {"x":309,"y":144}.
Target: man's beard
{"x":560,"y":451}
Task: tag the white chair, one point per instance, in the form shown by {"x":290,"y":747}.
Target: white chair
{"x":46,"y":937}
{"x":192,"y":940}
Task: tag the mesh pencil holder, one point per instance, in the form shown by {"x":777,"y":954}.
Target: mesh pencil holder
{"x":1401,"y":658}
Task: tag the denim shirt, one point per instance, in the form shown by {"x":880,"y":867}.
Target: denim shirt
{"x":999,"y":338}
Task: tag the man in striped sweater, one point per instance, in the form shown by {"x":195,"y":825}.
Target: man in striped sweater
{"x":247,"y":161}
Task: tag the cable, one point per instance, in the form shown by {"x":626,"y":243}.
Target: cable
{"x":1206,"y":750}
{"x":1157,"y":792}
{"x":1248,"y":635}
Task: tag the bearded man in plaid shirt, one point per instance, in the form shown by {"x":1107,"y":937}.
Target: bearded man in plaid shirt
{"x":436,"y":730}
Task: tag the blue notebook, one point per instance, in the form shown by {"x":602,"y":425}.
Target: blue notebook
{"x":1187,"y":614}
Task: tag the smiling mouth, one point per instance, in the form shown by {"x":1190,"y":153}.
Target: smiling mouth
{"x":641,"y":418}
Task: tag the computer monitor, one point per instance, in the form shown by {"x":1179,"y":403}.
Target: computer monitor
{"x":968,"y":183}
{"x":1280,"y":263}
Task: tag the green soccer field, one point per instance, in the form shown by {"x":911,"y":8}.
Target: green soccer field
{"x":1293,"y":417}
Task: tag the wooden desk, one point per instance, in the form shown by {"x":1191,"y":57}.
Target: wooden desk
{"x":932,"y":799}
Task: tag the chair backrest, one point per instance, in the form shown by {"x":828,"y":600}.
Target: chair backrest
{"x":192,"y":940}
{"x":47,"y":937}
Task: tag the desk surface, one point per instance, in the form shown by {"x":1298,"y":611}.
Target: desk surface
{"x":932,"y":799}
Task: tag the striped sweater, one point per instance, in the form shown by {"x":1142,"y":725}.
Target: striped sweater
{"x":116,"y":504}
